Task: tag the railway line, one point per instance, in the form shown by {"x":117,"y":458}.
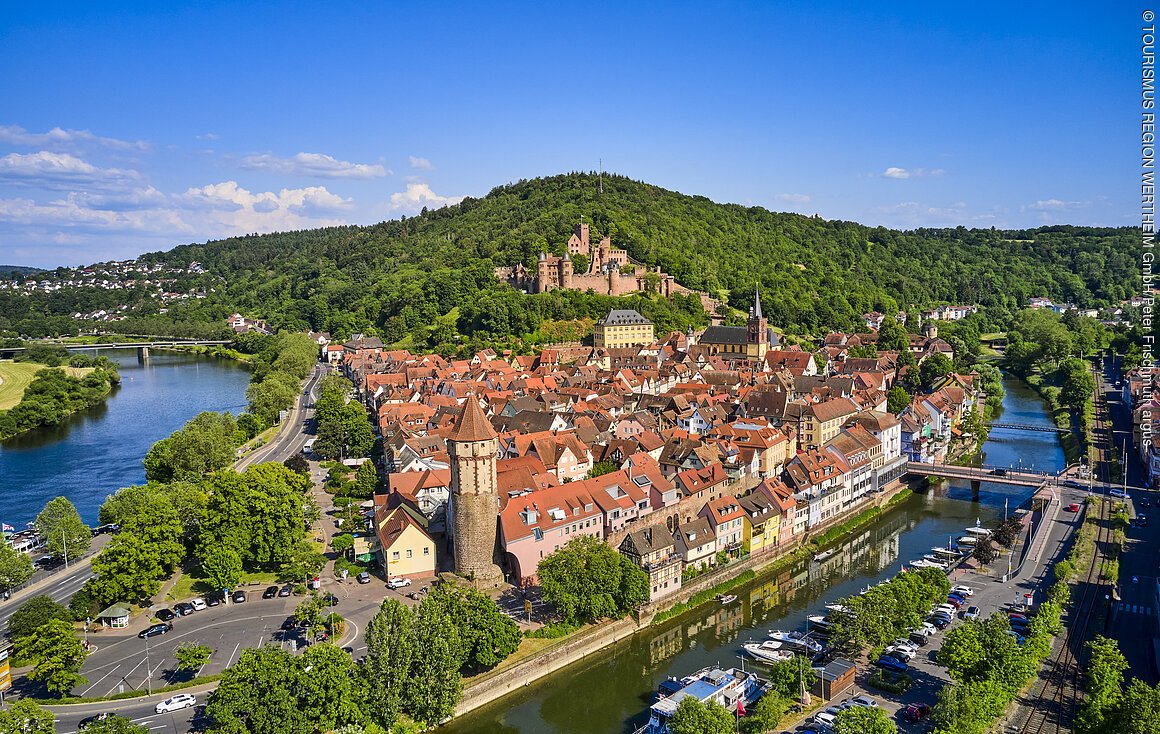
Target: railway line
{"x":1055,"y":709}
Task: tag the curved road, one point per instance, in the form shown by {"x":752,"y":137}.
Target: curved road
{"x":292,"y":436}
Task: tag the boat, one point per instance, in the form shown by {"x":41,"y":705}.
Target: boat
{"x":819,"y":557}
{"x":796,"y":641}
{"x":726,"y":598}
{"x":978,"y":531}
{"x":935,"y":560}
{"x":819,"y":622}
{"x":967,"y":540}
{"x":839,"y":609}
{"x":733,"y":688}
{"x":949,"y":553}
{"x":923,"y":563}
{"x":769,"y":651}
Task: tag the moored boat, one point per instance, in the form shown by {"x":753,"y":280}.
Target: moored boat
{"x":726,"y":598}
{"x":967,"y":540}
{"x":796,"y":640}
{"x":769,"y":651}
{"x":735,"y":689}
{"x":819,"y":622}
{"x":819,"y":557}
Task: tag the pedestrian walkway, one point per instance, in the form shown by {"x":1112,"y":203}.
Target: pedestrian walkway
{"x":1134,"y":609}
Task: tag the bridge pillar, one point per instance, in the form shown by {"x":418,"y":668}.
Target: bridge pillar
{"x":975,"y":485}
{"x":143,"y":355}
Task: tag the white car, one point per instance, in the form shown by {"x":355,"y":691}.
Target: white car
{"x":826,"y":718}
{"x":948,"y":608}
{"x":865,"y":702}
{"x":905,"y":644}
{"x":398,"y":582}
{"x":1119,"y":493}
{"x":198,"y":604}
{"x":971,"y":613}
{"x":902,"y":653}
{"x":176,"y":703}
{"x":964,"y":590}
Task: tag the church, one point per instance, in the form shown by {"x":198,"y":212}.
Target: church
{"x":751,"y":341}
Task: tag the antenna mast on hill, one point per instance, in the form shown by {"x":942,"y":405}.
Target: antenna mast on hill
{"x":600,"y":177}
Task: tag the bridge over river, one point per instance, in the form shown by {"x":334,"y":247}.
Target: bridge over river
{"x":141,"y":347}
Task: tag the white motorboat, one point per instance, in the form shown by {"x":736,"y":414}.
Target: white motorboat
{"x":935,"y":560}
{"x":819,"y":621}
{"x":838,"y":608}
{"x":967,"y":540}
{"x":923,"y":563}
{"x":769,"y":651}
{"x":978,"y":531}
{"x":796,"y":640}
{"x":819,"y":557}
{"x":947,"y":552}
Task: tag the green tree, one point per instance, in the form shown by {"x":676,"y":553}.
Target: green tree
{"x":587,"y":580}
{"x":897,"y":399}
{"x":487,"y":635}
{"x":787,"y":677}
{"x":1138,"y":713}
{"x":861,"y":720}
{"x":33,"y":614}
{"x":127,"y":570}
{"x":391,"y":649}
{"x":115,"y":724}
{"x":1104,"y":679}
{"x":435,"y":686}
{"x":342,"y":543}
{"x":985,"y":553}
{"x":892,"y":336}
{"x":191,"y":656}
{"x":15,"y":568}
{"x":258,"y":694}
{"x":59,"y":657}
{"x":65,"y":536}
{"x":694,"y":717}
{"x":333,"y":691}
{"x":766,"y":713}
{"x":26,"y":717}
{"x":259,"y":513}
{"x":366,"y":480}
{"x":221,"y":566}
{"x":932,"y":368}
{"x":203,"y":445}
{"x":601,"y":468}
{"x":271,"y":396}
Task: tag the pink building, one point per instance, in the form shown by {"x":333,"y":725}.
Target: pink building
{"x":533,"y":525}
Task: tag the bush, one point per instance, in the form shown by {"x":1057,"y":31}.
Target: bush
{"x":896,"y":683}
{"x":553,"y":631}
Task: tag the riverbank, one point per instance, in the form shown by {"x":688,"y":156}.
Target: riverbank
{"x":36,"y":395}
{"x":698,"y":593}
{"x":1073,"y":441}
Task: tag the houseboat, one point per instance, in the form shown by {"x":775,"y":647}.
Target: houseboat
{"x":733,"y":688}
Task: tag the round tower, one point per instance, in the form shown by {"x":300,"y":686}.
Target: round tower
{"x":930,"y":329}
{"x":474,"y":502}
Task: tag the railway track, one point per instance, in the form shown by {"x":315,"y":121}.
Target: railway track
{"x":1056,"y":707}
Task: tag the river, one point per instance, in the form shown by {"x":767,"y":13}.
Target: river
{"x":612,"y":690}
{"x":95,"y":452}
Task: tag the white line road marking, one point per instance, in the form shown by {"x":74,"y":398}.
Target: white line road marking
{"x":235,"y":652}
{"x":98,"y":680}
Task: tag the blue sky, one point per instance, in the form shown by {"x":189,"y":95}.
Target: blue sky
{"x":130,"y":127}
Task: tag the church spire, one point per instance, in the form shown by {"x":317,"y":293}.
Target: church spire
{"x":757,"y":301}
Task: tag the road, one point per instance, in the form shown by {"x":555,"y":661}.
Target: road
{"x":291,"y":438}
{"x":59,"y":585}
{"x":1135,"y":618}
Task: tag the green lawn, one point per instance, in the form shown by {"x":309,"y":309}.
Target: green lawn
{"x":14,"y":377}
{"x":189,"y":586}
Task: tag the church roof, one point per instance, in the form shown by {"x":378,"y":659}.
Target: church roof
{"x":472,"y":424}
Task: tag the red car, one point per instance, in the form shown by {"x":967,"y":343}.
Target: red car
{"x":1073,"y":507}
{"x":915,"y":712}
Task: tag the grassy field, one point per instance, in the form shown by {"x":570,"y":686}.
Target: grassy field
{"x":188,"y":586}
{"x":15,"y":376}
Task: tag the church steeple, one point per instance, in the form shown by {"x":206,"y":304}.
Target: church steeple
{"x":757,"y":301}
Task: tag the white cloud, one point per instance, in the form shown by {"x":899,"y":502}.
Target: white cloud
{"x":902,"y":173}
{"x":50,"y":170}
{"x":419,"y":195}
{"x":57,"y":138}
{"x":207,"y":136}
{"x":423,"y":164}
{"x":317,"y":165}
{"x":1044,"y":205}
{"x":794,"y":198}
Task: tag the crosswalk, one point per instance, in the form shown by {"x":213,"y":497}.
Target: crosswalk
{"x":1134,"y":609}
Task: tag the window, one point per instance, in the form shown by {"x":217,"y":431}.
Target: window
{"x":408,"y":553}
{"x":426,"y":550}
{"x":394,"y":555}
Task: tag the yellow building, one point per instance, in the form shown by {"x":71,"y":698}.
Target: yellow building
{"x":405,"y":548}
{"x":623,"y":327}
{"x":759,"y":525}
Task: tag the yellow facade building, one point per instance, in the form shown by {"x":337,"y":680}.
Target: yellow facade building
{"x":623,"y":327}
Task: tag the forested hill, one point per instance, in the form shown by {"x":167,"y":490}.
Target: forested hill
{"x":399,"y":277}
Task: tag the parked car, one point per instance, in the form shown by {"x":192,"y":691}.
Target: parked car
{"x":183,"y":609}
{"x":363,"y":578}
{"x":176,"y":703}
{"x":947,"y":608}
{"x":398,"y":582}
{"x":239,"y":597}
{"x":215,"y":599}
{"x":864,"y":701}
{"x":288,"y":624}
{"x":971,"y":613}
{"x":270,"y":592}
{"x":891,"y":663}
{"x":1019,"y":616}
{"x":1142,"y":521}
{"x":1117,"y":492}
{"x":198,"y":604}
{"x":905,"y":644}
{"x":330,"y":599}
{"x":903,"y":654}
{"x":286,"y":590}
{"x":915,"y":712}
{"x":940,"y":622}
{"x":963,"y":590}
{"x":1073,"y":507}
{"x":1019,"y":639}
{"x":165,"y":615}
{"x":956,"y":602}
{"x":1145,"y":502}
{"x":157,"y":629}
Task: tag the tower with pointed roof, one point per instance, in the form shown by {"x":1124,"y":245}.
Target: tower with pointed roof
{"x":474,"y":502}
{"x":756,"y":329}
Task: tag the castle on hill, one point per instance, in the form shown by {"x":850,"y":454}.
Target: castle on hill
{"x":610,"y":272}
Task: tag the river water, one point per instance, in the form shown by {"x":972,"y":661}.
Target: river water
{"x":97,"y":451}
{"x":612,"y":690}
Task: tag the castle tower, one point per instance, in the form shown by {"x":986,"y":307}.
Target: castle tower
{"x":566,"y":270}
{"x":930,"y":329}
{"x":474,"y":502}
{"x":542,"y":273}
